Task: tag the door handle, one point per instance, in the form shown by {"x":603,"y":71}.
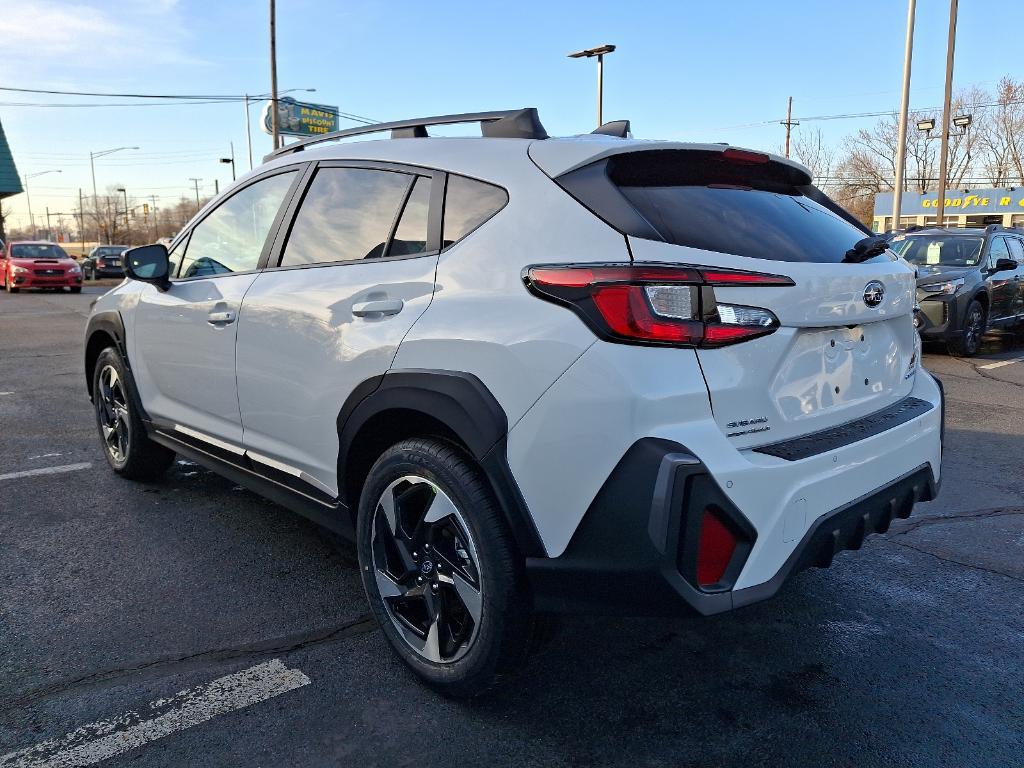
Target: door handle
{"x":221,"y":318}
{"x":381,"y":308}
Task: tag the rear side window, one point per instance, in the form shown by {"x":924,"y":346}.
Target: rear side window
{"x":347,"y":215}
{"x":741,"y":203}
{"x":468,"y":204}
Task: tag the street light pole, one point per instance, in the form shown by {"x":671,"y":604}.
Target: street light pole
{"x":599,"y":53}
{"x":28,"y":199}
{"x":127,"y":224}
{"x":273,"y":74}
{"x":901,"y":139}
{"x":946,"y":113}
{"x":230,"y":160}
{"x":95,"y":197}
{"x":248,"y":130}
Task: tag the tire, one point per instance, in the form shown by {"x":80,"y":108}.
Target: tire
{"x":458,"y":615}
{"x":968,"y":341}
{"x":127,"y":448}
{"x":76,"y":289}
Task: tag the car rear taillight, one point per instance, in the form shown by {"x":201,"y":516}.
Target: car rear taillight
{"x":714,"y":550}
{"x":659,"y":304}
{"x":101,"y":263}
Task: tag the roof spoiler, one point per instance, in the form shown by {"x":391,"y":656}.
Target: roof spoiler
{"x":506,"y":124}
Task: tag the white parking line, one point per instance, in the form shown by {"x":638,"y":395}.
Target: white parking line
{"x":1001,"y":363}
{"x":97,"y":741}
{"x":46,"y":470}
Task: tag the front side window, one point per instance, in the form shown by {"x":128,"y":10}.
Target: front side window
{"x":468,"y":204}
{"x":231,"y":238}
{"x":175,"y":255}
{"x":998,"y":250}
{"x":940,"y":250}
{"x":1016,"y":249}
{"x":346,"y":215}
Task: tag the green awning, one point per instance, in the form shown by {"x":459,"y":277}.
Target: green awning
{"x":10,"y":183}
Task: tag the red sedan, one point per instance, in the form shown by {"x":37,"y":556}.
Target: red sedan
{"x":30,"y":264}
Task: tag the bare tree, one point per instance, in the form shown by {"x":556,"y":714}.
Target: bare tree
{"x":809,"y":148}
{"x":1001,"y":135}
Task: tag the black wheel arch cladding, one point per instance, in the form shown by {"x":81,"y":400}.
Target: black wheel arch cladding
{"x":466,"y":408}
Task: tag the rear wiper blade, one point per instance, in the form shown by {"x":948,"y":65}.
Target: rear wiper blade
{"x":867,"y":248}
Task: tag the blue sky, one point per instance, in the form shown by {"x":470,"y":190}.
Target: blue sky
{"x":683,"y":69}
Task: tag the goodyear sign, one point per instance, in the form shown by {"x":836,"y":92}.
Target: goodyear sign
{"x":997,"y":200}
{"x":299,"y":118}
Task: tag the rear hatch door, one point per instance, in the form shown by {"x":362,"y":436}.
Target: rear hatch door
{"x":845,"y":346}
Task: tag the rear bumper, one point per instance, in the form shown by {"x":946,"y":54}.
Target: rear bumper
{"x":633,"y":551}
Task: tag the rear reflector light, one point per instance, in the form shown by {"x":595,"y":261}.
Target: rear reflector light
{"x":656,"y":303}
{"x":715,"y":549}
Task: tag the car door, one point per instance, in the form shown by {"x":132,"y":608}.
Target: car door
{"x":355,"y":271}
{"x":1017,"y":253}
{"x":1002,"y":287}
{"x":183,"y":349}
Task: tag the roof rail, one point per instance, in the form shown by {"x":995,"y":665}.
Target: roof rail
{"x":505,"y":124}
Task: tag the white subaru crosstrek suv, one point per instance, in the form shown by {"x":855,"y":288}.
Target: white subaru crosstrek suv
{"x":530,"y":374}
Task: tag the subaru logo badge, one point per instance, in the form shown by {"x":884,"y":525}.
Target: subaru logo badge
{"x":874,"y":292}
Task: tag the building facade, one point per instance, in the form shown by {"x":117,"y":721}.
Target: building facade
{"x":964,"y":208}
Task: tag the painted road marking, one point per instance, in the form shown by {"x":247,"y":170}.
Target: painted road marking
{"x":46,"y":470}
{"x":1001,"y":363}
{"x":97,"y":741}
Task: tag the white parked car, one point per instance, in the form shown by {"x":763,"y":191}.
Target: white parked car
{"x":530,"y":374}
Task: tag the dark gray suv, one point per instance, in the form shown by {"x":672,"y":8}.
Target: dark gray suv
{"x":969,"y":280}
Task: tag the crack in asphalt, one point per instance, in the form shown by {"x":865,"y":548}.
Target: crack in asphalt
{"x":991,"y":377}
{"x":912,"y":525}
{"x":953,"y":561}
{"x":259,"y":649}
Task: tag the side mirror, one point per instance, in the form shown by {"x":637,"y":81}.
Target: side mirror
{"x":149,"y":264}
{"x":1005,"y":265}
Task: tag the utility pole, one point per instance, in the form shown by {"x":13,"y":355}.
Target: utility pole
{"x":153,"y":210}
{"x":273,"y":74}
{"x":789,"y":122}
{"x":216,"y":187}
{"x":48,"y":223}
{"x":81,"y":220}
{"x":901,"y":139}
{"x":196,"y":182}
{"x":946,"y":110}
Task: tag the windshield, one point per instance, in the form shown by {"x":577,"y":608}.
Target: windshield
{"x":940,"y":250}
{"x":110,"y":250}
{"x":41,"y":251}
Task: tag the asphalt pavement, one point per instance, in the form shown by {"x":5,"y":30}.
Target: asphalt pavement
{"x":189,"y":622}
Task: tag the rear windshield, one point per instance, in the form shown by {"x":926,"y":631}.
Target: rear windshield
{"x":110,"y":250}
{"x":45,"y":251}
{"x":944,"y":250}
{"x":703,"y":200}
